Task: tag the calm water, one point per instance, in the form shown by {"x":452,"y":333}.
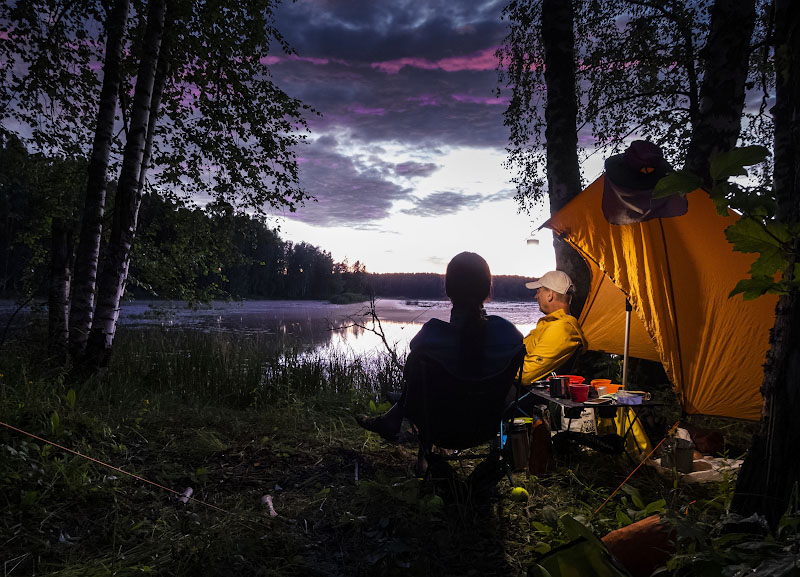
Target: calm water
{"x":311,"y":325}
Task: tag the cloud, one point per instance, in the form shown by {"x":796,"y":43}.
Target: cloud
{"x":411,"y":169}
{"x":389,"y":75}
{"x":481,"y":60}
{"x":396,"y":70}
{"x":349,"y":190}
{"x":441,"y":203}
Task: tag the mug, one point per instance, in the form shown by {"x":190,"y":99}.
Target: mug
{"x":559,"y":387}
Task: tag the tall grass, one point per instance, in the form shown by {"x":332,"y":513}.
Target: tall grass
{"x":231,"y":370}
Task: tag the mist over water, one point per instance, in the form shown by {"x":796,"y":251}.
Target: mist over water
{"x":313,"y":326}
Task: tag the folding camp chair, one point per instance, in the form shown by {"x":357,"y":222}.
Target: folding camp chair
{"x":460,"y":412}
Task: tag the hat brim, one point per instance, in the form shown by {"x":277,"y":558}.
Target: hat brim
{"x":533,"y":285}
{"x":621,"y":173}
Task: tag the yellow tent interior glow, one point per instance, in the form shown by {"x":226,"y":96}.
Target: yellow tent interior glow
{"x":677,"y":273}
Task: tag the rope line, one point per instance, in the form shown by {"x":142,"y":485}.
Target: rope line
{"x":611,"y":496}
{"x":137,"y":477}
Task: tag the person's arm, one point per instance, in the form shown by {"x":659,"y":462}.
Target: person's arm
{"x":548,"y":350}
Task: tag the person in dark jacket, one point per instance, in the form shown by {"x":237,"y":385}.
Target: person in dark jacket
{"x":473,"y":344}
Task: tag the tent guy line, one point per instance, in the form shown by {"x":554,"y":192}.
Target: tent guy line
{"x":182,"y":496}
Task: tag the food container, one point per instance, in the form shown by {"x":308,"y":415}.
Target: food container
{"x":579,"y":393}
{"x":600,"y":382}
{"x":574,"y":379}
{"x":559,"y":387}
{"x":626,"y":398}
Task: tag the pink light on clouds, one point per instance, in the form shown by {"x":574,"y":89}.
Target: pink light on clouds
{"x":478,"y":61}
{"x":425,"y":100}
{"x":272,"y":60}
{"x":490,"y":100}
{"x":368,"y":111}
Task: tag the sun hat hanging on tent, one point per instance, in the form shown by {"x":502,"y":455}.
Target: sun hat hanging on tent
{"x":629,"y":183}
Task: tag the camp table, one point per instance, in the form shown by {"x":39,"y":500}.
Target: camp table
{"x":573,"y":410}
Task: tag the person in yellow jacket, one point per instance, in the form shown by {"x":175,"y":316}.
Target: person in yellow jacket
{"x":557,"y":334}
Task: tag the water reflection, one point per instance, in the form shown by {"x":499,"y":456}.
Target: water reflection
{"x":312,"y":326}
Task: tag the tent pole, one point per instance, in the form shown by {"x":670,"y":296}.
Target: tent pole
{"x":628,"y":309}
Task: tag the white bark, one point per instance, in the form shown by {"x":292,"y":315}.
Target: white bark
{"x":114,"y":273}
{"x":88,"y":253}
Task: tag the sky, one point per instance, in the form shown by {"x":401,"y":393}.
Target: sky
{"x":406,"y":161}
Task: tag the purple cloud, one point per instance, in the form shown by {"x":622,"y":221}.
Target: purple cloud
{"x":411,"y":169}
{"x":441,"y":203}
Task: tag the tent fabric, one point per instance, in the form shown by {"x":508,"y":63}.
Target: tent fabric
{"x":677,"y":273}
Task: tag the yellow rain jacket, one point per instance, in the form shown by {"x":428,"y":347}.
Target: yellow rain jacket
{"x":554,"y":339}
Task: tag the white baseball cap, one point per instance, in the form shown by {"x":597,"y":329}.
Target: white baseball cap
{"x":555,"y":280}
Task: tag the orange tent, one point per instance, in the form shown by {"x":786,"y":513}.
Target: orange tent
{"x":677,"y":273}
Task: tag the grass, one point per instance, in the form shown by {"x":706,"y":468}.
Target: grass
{"x":236,"y":420}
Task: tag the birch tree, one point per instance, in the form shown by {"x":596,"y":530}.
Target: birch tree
{"x":203,"y":98}
{"x":91,"y":229}
{"x":204,"y":111}
{"x":47,"y":48}
{"x":114,"y":273}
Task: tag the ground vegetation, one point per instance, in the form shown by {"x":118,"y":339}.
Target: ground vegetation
{"x":283,"y":481}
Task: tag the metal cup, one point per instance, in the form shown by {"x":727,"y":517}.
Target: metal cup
{"x":559,"y":387}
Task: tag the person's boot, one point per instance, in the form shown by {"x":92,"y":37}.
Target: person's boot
{"x":378,"y":425}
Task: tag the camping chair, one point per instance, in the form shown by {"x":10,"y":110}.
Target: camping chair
{"x":457,"y":413}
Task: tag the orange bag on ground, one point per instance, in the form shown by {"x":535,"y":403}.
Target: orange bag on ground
{"x":643,"y":546}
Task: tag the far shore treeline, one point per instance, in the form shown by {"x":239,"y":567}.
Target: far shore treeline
{"x":186,"y":252}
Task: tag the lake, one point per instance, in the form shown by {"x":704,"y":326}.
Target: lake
{"x":310,"y":325}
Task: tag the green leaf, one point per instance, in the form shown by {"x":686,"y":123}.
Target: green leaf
{"x":622,"y":518}
{"x":574,"y":529}
{"x":70,"y":399}
{"x":733,"y":162}
{"x":769,"y":261}
{"x":749,"y":235}
{"x":536,"y":570}
{"x":679,"y":182}
{"x":635,"y":496}
{"x":55,"y":423}
{"x":752,"y":288}
{"x":655,"y":507}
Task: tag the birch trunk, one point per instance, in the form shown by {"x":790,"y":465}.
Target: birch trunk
{"x":58,"y":294}
{"x":771,"y":470}
{"x":561,"y":132}
{"x":114,"y":272}
{"x":162,"y":73}
{"x":726,"y":57}
{"x":88,"y":253}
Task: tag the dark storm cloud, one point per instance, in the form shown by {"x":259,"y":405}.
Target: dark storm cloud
{"x":369,"y":30}
{"x":441,"y":203}
{"x":417,"y":72}
{"x":414,"y":106}
{"x":420,"y":74}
